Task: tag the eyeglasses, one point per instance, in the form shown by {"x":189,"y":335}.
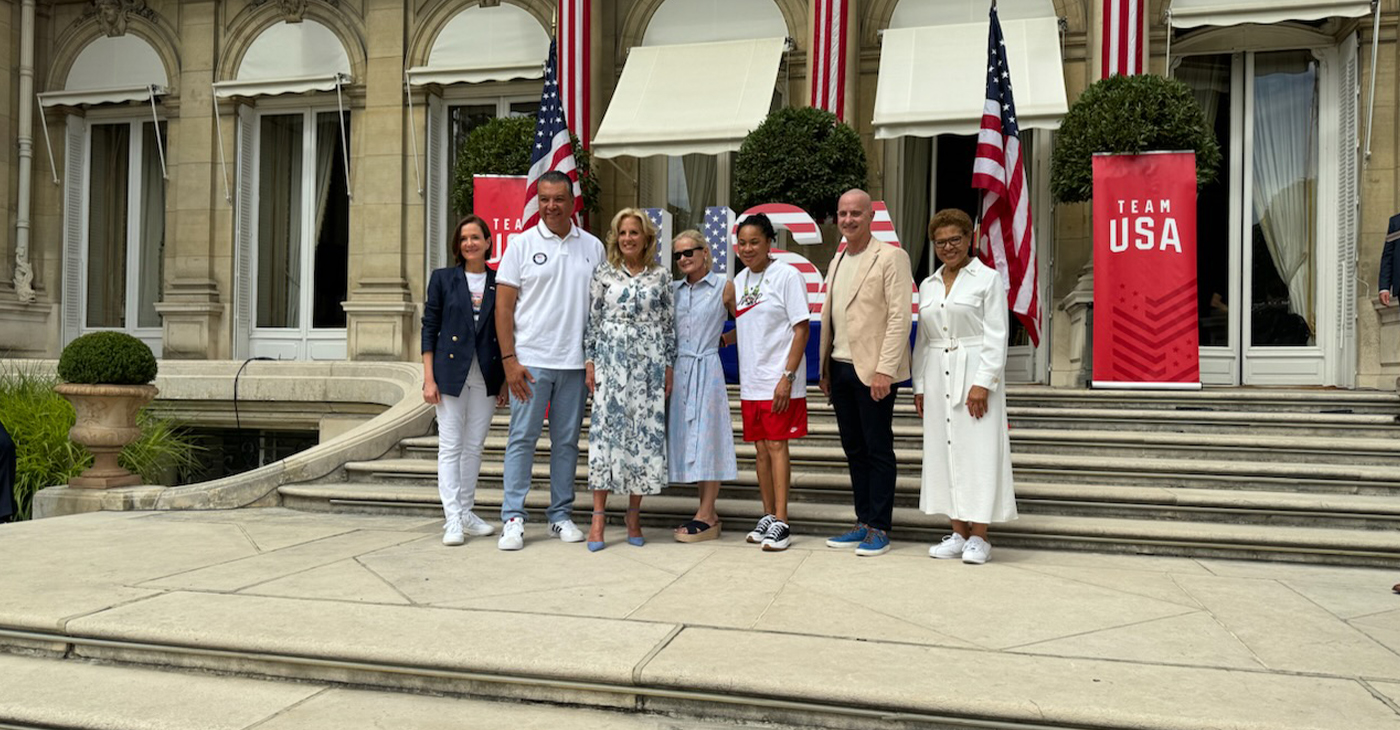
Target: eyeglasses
{"x":687,"y":253}
{"x":948,"y":243}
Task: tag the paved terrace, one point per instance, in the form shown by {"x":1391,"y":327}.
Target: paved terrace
{"x":354,"y":606}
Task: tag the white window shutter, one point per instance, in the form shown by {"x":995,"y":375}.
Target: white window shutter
{"x":74,"y":245}
{"x":1347,"y":207}
{"x":439,"y":170}
{"x":244,"y":232}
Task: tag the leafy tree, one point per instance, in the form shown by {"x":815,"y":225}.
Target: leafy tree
{"x":803,"y":156}
{"x":502,"y":147}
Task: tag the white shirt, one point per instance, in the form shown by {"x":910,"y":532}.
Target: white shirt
{"x":841,"y":285}
{"x":477,"y":284}
{"x":768,"y":305}
{"x":553,"y":275}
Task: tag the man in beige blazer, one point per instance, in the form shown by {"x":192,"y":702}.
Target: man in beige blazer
{"x":864,"y":354}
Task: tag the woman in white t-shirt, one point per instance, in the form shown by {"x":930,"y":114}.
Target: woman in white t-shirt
{"x":769,"y":302}
{"x":462,"y":372}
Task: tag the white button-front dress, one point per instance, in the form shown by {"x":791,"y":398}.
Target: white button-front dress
{"x":961,"y":342}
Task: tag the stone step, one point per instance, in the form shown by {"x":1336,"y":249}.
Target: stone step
{"x":1277,"y":423}
{"x":1380,"y":547}
{"x":1338,"y":511}
{"x":1145,"y":444}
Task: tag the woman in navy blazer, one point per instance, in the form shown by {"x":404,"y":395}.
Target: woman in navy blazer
{"x":462,"y":372}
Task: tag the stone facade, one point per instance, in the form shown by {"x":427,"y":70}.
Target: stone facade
{"x":202,"y":41}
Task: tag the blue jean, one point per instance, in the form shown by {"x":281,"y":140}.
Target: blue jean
{"x":562,"y":392}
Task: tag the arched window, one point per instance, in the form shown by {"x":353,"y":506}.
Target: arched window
{"x":704,"y":21}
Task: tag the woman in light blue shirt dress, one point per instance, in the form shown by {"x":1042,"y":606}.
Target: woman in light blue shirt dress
{"x":700,"y":429}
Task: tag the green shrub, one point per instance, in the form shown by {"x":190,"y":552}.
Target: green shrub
{"x":1129,"y":114}
{"x":802,"y":156}
{"x":112,"y":358}
{"x":502,"y":147}
{"x":38,"y":420}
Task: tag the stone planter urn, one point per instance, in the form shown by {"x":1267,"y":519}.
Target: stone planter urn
{"x":106,"y":422}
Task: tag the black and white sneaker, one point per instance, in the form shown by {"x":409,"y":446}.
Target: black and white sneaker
{"x":760,"y":530}
{"x":778,"y":537}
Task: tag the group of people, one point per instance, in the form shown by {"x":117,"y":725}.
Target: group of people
{"x":567,"y":317}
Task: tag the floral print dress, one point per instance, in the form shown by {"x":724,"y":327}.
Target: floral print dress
{"x":631,"y":340}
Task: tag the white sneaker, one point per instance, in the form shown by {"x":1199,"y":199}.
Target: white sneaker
{"x":566,"y":530}
{"x":760,"y":530}
{"x":977,"y":551}
{"x":452,"y":535}
{"x":512,"y":535}
{"x":475,"y":526}
{"x":952,"y":547}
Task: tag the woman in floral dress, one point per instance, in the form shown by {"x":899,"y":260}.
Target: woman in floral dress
{"x":630,"y":348}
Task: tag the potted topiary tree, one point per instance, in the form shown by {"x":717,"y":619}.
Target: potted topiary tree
{"x":502,"y":147}
{"x":107,"y":378}
{"x":803,"y":156}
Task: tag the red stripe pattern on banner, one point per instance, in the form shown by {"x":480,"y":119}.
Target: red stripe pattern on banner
{"x":1006,"y":237}
{"x":1122,"y":37}
{"x":829,"y":36}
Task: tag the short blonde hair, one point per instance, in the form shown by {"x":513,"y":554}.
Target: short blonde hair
{"x":697,"y":237}
{"x":648,"y":232}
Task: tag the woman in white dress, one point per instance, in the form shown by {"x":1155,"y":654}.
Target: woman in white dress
{"x":959,"y":358}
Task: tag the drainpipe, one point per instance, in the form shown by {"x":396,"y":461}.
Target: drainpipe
{"x":24,"y":273}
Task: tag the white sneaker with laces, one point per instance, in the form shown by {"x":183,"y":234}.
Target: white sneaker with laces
{"x":475,"y":526}
{"x":452,"y":534}
{"x":512,"y":535}
{"x":951,"y":547}
{"x":566,"y":530}
{"x":977,"y":551}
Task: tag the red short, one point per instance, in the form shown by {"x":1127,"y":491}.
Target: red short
{"x":762,"y":424}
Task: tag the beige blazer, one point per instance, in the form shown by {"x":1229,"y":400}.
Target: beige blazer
{"x":878,"y":313}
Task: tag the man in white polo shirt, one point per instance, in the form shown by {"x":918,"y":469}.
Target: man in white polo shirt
{"x":542,"y":289}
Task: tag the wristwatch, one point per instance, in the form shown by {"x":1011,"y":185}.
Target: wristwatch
{"x":789,"y":376}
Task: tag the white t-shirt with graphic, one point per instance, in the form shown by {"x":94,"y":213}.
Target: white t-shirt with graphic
{"x":476,"y":283}
{"x":553,"y":275}
{"x":768,"y":305}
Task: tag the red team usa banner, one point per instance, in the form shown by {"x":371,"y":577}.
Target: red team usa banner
{"x":1145,"y":322}
{"x":497,"y":199}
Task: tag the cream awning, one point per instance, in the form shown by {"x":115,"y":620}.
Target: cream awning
{"x":273,"y":87}
{"x":425,"y":75}
{"x":690,"y":98}
{"x":933,"y":80}
{"x":482,"y":44}
{"x":1192,"y":13}
{"x":88,"y":97}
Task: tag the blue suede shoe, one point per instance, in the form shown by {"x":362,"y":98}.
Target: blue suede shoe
{"x":594,"y":547}
{"x":638,"y":540}
{"x":849,"y":540}
{"x":876,"y":542}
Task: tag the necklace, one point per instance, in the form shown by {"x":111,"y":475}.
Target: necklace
{"x":752,"y":292}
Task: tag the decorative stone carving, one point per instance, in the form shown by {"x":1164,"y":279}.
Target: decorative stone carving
{"x":106,"y":422}
{"x":112,"y":15}
{"x":294,"y":11}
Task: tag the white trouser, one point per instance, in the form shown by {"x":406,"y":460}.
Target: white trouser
{"x":463,"y":422}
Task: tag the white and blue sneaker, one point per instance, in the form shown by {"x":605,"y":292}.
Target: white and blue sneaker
{"x":850,"y":539}
{"x":876,"y":542}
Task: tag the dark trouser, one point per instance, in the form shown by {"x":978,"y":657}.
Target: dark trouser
{"x":7,"y":475}
{"x":867,"y":436}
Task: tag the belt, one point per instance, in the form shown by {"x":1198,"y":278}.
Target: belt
{"x":953,"y":343}
{"x":697,"y":354}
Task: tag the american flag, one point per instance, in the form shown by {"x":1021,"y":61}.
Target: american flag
{"x":830,"y":30}
{"x":661,"y":220}
{"x":1006,"y":238}
{"x":716,"y":231}
{"x":552,"y":150}
{"x":1122,"y":37}
{"x":575,"y":21}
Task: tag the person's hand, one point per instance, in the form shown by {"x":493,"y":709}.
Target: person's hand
{"x":431,"y":396}
{"x":501,"y":398}
{"x":1385,"y":297}
{"x":589,"y":381}
{"x":782,"y":395}
{"x":825,"y":385}
{"x":670,"y":380}
{"x":518,"y":379}
{"x":977,"y":401}
{"x":879,"y":386}
{"x":919,"y":404}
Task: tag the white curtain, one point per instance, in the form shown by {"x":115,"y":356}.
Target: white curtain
{"x":1209,"y":79}
{"x":152,"y":269}
{"x":912,"y":214}
{"x":279,"y":220}
{"x":1285,"y":169}
{"x":700,"y":181}
{"x":327,"y":147}
{"x":107,"y":216}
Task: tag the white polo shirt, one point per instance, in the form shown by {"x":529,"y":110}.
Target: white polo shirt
{"x":553,"y":275}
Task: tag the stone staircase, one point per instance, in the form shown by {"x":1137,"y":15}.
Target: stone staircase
{"x":1290,"y":475}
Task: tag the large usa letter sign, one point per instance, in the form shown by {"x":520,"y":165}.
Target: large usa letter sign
{"x":1145,"y":322}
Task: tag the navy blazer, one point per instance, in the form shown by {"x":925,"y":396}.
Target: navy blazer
{"x":1390,"y":258}
{"x":455,"y":340}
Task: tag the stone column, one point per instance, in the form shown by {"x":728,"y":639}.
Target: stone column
{"x":1078,"y":304}
{"x":199,"y":218}
{"x":379,"y":314}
